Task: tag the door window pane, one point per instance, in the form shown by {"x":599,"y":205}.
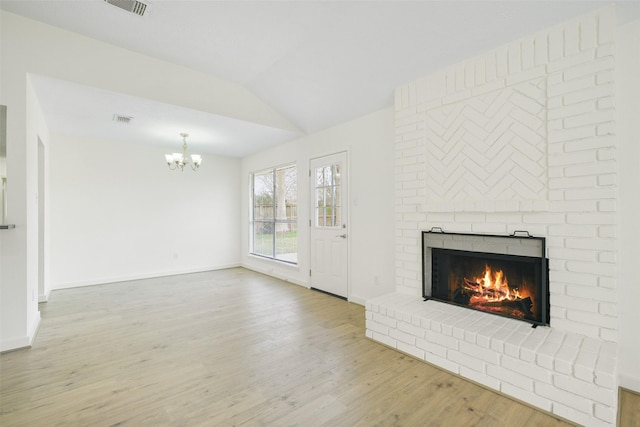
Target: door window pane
{"x":328,"y":201}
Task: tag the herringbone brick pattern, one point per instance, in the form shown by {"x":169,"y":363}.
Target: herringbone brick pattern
{"x":491,"y":146}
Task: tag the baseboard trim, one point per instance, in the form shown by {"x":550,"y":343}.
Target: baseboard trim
{"x":116,"y":279}
{"x":19,"y":343}
{"x":270,"y":273}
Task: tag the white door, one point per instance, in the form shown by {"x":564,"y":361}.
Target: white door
{"x":329,"y":232}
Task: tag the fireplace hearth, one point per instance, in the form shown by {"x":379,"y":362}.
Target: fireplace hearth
{"x":502,"y":275}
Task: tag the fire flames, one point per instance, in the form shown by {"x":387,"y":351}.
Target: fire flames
{"x":493,"y":286}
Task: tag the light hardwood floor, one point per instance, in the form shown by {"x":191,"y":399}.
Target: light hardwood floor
{"x":225,"y":348}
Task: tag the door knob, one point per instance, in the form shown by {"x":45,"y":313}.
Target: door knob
{"x":342,"y":236}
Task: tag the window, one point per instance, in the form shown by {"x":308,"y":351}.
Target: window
{"x":274,"y":214}
{"x":328,"y":196}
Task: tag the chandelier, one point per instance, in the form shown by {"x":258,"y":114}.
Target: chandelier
{"x":180,"y":160}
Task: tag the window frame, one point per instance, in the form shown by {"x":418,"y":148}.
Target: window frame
{"x":273,"y":222}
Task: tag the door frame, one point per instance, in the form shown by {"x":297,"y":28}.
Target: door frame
{"x":311,"y":204}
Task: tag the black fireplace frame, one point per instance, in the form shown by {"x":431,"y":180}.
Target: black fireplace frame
{"x":541,"y":261}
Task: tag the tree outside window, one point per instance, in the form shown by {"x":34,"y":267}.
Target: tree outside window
{"x":274,"y":215}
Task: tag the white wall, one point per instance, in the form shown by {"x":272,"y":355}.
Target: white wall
{"x":628,"y":110}
{"x":119,"y":213}
{"x":27,"y":46}
{"x":369,"y":142}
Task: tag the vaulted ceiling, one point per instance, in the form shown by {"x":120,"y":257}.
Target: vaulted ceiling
{"x":317,"y":63}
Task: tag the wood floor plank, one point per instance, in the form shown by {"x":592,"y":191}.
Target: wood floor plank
{"x":228,"y":348}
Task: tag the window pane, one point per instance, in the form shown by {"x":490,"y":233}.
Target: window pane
{"x":263,"y":238}
{"x":263,"y":197}
{"x":328,"y":176}
{"x":320,"y":197}
{"x":287,"y":242}
{"x":328,"y":197}
{"x":319,"y":177}
{"x":274,"y":209}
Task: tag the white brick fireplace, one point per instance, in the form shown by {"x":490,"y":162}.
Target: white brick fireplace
{"x":522,"y":138}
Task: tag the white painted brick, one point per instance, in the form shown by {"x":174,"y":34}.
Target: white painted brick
{"x":607,"y":49}
{"x":573,"y":206}
{"x":564,"y":397}
{"x":607,"y":283}
{"x":565,"y":358}
{"x":590,"y":68}
{"x":469,"y":74}
{"x":540,"y":49}
{"x":546,"y":354}
{"x":469,"y":362}
{"x":593,"y":93}
{"x":459,"y":78}
{"x":480,"y":378}
{"x":442,"y":340}
{"x":572,"y":86}
{"x":599,"y":117}
{"x":573,"y":109}
{"x":411,"y":350}
{"x":529,"y":349}
{"x":432,"y":348}
{"x":591,"y":143}
{"x":583,"y":280}
{"x":608,"y":128}
{"x":522,"y":76}
{"x":582,"y":418}
{"x":412,"y":329}
{"x":609,"y":334}
{"x":604,"y":77}
{"x":592,"y":268}
{"x":526,"y":396}
{"x":571,"y":39}
{"x":383,"y":339}
{"x":442,"y":362}
{"x":599,"y":167}
{"x":571,"y":61}
{"x":526,"y":369}
{"x":588,"y":33}
{"x":605,"y":413}
{"x":606,"y":26}
{"x":511,"y":377}
{"x":572,"y":134}
{"x":573,"y":230}
{"x":477,"y":352}
{"x":528,"y":53}
{"x":514,"y":60}
{"x":573,"y":303}
{"x":608,"y":309}
{"x":584,"y":365}
{"x":605,"y":374}
{"x":556,"y":45}
{"x":585,"y":389}
{"x":457,"y":96}
{"x":502,"y":65}
{"x":606,"y":102}
{"x":384,"y":320}
{"x":402,"y":336}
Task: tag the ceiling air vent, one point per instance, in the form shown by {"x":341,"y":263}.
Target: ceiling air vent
{"x":133,"y":6}
{"x":121,"y":119}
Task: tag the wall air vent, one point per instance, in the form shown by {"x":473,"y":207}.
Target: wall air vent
{"x":121,"y":119}
{"x":133,"y":6}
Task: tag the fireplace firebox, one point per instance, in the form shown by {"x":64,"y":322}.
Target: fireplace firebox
{"x":502,"y":275}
